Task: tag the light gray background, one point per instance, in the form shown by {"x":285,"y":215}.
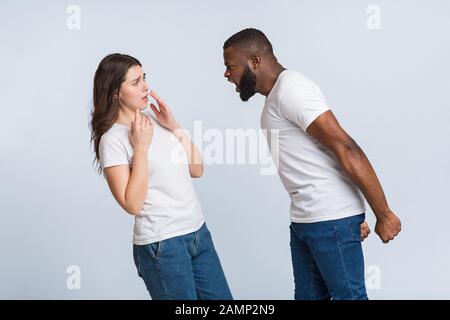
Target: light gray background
{"x":389,"y":89}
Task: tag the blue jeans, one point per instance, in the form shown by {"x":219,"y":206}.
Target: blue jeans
{"x":328,"y":260}
{"x":182,"y":268}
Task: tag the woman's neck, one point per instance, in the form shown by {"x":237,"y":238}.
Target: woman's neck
{"x":125,"y":117}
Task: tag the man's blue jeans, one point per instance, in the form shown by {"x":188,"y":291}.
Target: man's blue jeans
{"x":328,"y":260}
{"x":182,"y":268}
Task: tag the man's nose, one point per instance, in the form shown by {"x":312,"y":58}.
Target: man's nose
{"x":226,"y":74}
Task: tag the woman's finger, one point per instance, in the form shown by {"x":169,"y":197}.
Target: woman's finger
{"x":142,"y":119}
{"x":160,"y":102}
{"x":136,"y":116}
{"x":147,"y":122}
{"x":155,"y":95}
{"x":154,"y":109}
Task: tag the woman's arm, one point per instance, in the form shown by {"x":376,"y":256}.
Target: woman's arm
{"x":166,"y":119}
{"x":129,"y":186}
{"x":192,"y":153}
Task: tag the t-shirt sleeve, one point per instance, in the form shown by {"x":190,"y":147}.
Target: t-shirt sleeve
{"x":302,"y":103}
{"x":112,"y":152}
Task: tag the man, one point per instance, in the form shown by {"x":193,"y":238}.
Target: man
{"x":321,"y":167}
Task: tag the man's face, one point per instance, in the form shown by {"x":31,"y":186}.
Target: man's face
{"x":238,"y":72}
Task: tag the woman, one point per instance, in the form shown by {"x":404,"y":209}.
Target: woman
{"x":140,"y":158}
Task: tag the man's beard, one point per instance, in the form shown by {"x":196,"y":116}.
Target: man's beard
{"x":247,"y":84}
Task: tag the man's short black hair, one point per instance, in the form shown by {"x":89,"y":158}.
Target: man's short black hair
{"x":252,"y":40}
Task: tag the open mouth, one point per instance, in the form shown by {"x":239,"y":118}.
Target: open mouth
{"x":238,"y":89}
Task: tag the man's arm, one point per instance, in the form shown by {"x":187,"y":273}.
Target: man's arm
{"x":354,"y":162}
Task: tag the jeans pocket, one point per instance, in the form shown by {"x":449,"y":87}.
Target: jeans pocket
{"x":155,"y":248}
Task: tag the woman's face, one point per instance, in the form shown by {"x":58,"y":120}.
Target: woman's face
{"x":134,"y":91}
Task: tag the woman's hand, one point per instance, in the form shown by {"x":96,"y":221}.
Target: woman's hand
{"x":165,"y":118}
{"x":164,"y":115}
{"x":141,"y":132}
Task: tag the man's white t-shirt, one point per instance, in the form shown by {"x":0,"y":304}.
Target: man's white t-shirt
{"x":171,"y":207}
{"x":318,"y":187}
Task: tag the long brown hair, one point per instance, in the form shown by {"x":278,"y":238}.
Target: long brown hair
{"x":110,"y":74}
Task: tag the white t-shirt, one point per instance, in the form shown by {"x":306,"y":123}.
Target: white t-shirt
{"x":171,"y":207}
{"x":318,"y":187}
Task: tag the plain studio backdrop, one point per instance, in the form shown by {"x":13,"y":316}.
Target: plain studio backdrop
{"x":382,"y":65}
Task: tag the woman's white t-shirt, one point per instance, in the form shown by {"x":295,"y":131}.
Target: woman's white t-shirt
{"x":171,"y":207}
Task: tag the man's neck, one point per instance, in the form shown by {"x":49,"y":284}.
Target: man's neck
{"x":270,"y":79}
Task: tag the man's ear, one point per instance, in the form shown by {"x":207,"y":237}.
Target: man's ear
{"x":255,"y":61}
